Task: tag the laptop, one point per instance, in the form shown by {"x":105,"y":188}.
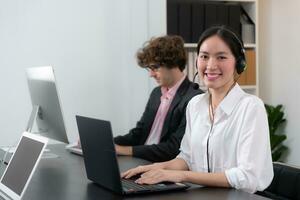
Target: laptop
{"x":21,"y":166}
{"x":101,"y":161}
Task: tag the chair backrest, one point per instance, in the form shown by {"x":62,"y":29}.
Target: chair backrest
{"x":285,"y":184}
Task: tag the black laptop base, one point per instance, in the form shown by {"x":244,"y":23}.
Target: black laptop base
{"x":130,"y":187}
{"x":101,"y":161}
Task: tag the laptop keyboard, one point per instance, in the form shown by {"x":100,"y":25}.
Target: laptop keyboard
{"x":130,"y":185}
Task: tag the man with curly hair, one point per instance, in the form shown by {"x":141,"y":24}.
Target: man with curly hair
{"x":157,"y":135}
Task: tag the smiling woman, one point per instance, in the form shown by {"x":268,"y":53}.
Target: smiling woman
{"x":216,"y":64}
{"x":226,"y":141}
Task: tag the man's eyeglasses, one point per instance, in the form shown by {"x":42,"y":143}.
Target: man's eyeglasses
{"x":152,"y":67}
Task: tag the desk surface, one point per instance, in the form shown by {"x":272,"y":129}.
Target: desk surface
{"x":64,"y":178}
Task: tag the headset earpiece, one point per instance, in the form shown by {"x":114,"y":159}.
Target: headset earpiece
{"x":241,"y":60}
{"x":240,"y":65}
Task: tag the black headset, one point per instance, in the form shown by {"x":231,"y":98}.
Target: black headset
{"x":241,"y":64}
{"x":241,"y":59}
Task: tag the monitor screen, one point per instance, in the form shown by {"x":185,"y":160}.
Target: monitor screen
{"x":22,"y":164}
{"x":44,"y":95}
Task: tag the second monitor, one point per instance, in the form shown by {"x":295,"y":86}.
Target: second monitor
{"x":46,"y":107}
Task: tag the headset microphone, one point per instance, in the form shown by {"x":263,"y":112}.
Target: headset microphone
{"x":195,"y":85}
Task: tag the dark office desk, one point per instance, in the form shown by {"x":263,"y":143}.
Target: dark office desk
{"x":64,"y":178}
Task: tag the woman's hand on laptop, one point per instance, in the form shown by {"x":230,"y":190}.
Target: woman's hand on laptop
{"x":161,"y":175}
{"x":141,"y":169}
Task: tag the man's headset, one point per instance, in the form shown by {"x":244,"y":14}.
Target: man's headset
{"x":241,"y":59}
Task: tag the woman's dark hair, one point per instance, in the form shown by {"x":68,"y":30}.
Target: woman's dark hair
{"x":234,"y":43}
{"x":167,"y":51}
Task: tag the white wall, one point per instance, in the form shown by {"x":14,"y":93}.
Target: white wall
{"x":280,"y":64}
{"x":91,"y":45}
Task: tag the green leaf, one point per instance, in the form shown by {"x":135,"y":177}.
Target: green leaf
{"x":277,"y":140}
{"x":276,"y":155}
{"x":276,"y":119}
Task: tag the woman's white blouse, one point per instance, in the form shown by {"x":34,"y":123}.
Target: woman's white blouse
{"x":239,"y":143}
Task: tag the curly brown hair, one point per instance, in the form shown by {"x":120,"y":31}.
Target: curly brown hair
{"x":167,"y":51}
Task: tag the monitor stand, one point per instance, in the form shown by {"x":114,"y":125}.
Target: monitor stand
{"x":37,"y":112}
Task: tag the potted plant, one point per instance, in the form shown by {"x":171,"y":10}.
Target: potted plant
{"x":276,"y":119}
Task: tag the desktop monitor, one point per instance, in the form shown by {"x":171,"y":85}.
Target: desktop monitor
{"x":46,"y":107}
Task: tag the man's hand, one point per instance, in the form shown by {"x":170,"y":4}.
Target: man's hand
{"x":123,"y":150}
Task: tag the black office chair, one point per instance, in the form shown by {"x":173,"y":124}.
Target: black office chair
{"x":285,"y":184}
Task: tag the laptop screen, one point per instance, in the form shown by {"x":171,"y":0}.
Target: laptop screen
{"x":22,"y":164}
